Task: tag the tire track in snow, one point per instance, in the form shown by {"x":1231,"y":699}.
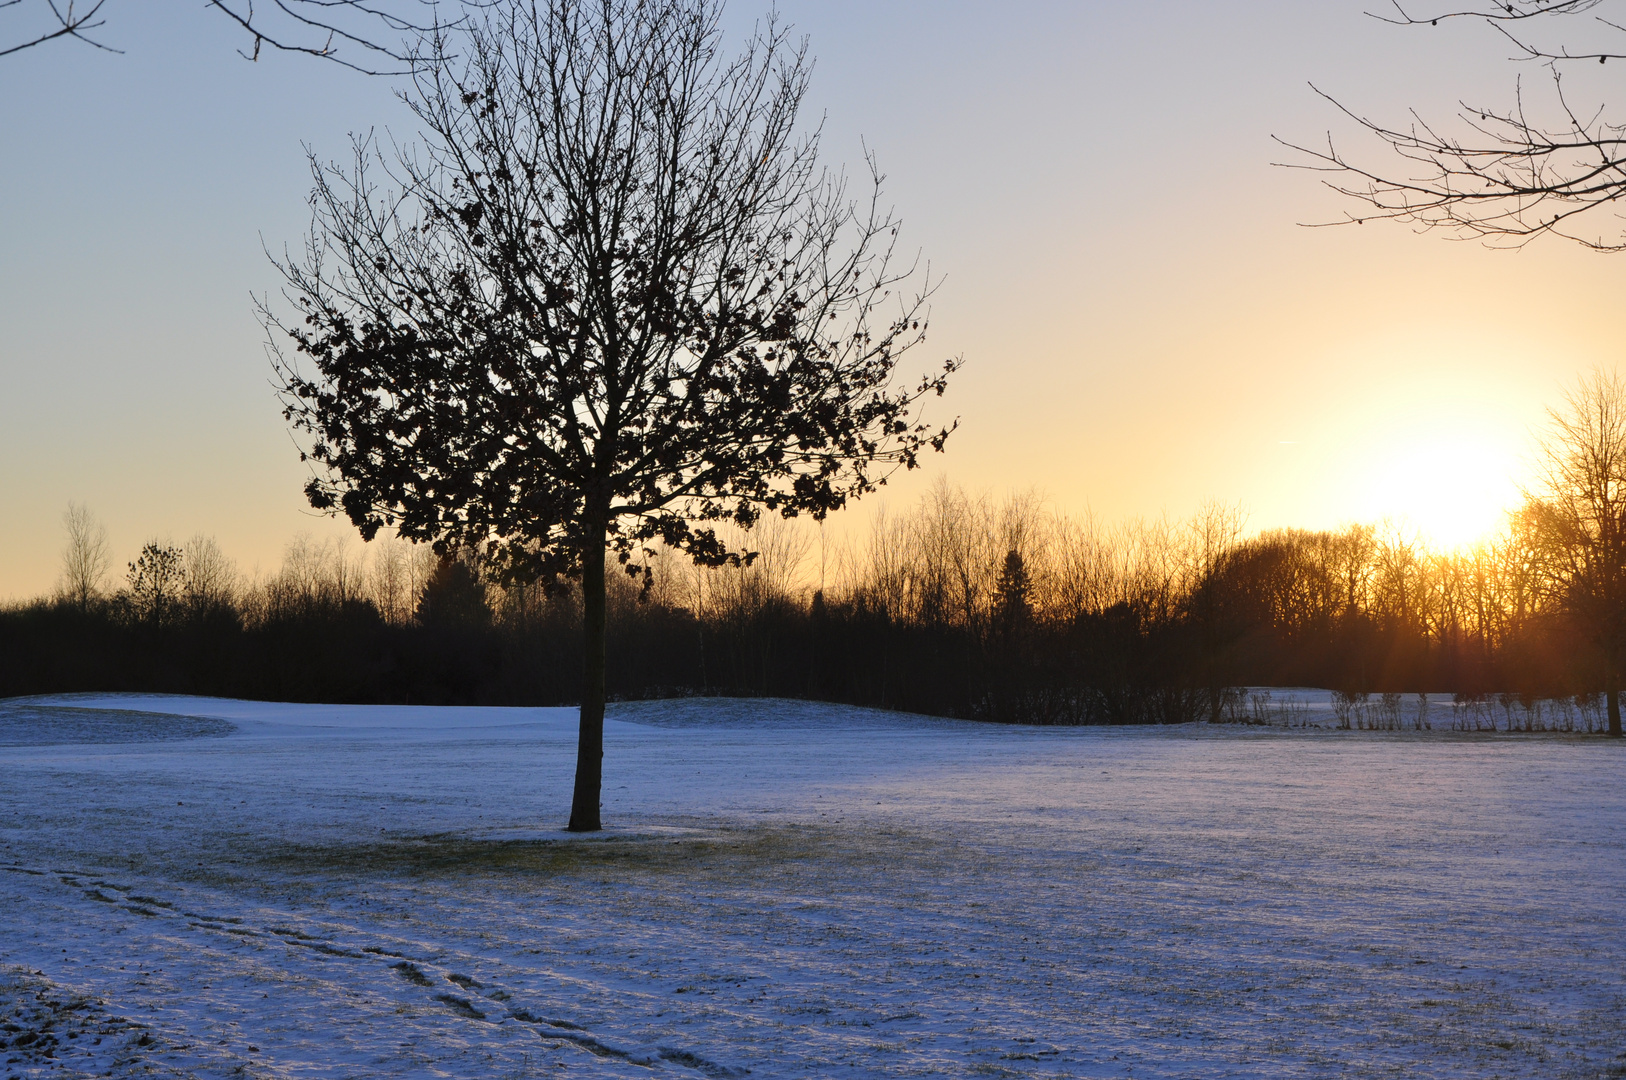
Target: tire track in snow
{"x":428,"y":974}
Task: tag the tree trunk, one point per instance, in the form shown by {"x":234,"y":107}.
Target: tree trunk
{"x":584,"y":804}
{"x":1612,"y":693}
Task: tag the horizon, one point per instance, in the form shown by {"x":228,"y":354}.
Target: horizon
{"x":847,"y":542}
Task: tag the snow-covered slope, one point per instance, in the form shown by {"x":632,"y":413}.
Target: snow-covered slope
{"x":197,"y":887}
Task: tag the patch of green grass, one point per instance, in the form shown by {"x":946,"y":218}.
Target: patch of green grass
{"x":727,"y":852}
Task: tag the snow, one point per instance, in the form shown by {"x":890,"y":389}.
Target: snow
{"x":198,"y":888}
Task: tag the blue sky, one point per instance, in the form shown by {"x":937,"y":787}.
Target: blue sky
{"x":1145,"y":323}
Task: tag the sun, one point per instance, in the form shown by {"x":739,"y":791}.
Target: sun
{"x":1454,"y":486}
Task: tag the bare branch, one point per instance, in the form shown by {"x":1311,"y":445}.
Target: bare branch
{"x":69,"y":23}
{"x":387,"y":40}
{"x":374,"y":37}
{"x":1508,"y":17}
{"x":1500,"y":176}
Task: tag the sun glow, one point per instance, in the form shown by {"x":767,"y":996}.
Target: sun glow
{"x":1454,"y":486}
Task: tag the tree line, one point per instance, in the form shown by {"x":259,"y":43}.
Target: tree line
{"x":960,"y":605}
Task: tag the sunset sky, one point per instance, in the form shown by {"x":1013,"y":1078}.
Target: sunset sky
{"x":1145,"y":322}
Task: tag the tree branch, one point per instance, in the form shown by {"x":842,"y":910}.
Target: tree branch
{"x":69,"y":23}
{"x":380,"y":38}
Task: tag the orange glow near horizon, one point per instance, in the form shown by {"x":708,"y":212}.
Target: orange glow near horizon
{"x":1455,"y":490}
{"x":1431,"y":425}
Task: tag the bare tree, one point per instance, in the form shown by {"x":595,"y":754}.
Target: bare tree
{"x":85,"y":557}
{"x":314,"y":576}
{"x":1501,"y":174}
{"x":1578,"y":519}
{"x":773,"y":576}
{"x":613,"y":299}
{"x":1211,"y":536}
{"x":210,"y":580}
{"x":396,"y":574}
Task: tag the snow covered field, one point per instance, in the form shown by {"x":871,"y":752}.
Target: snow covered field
{"x":194,"y":887}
